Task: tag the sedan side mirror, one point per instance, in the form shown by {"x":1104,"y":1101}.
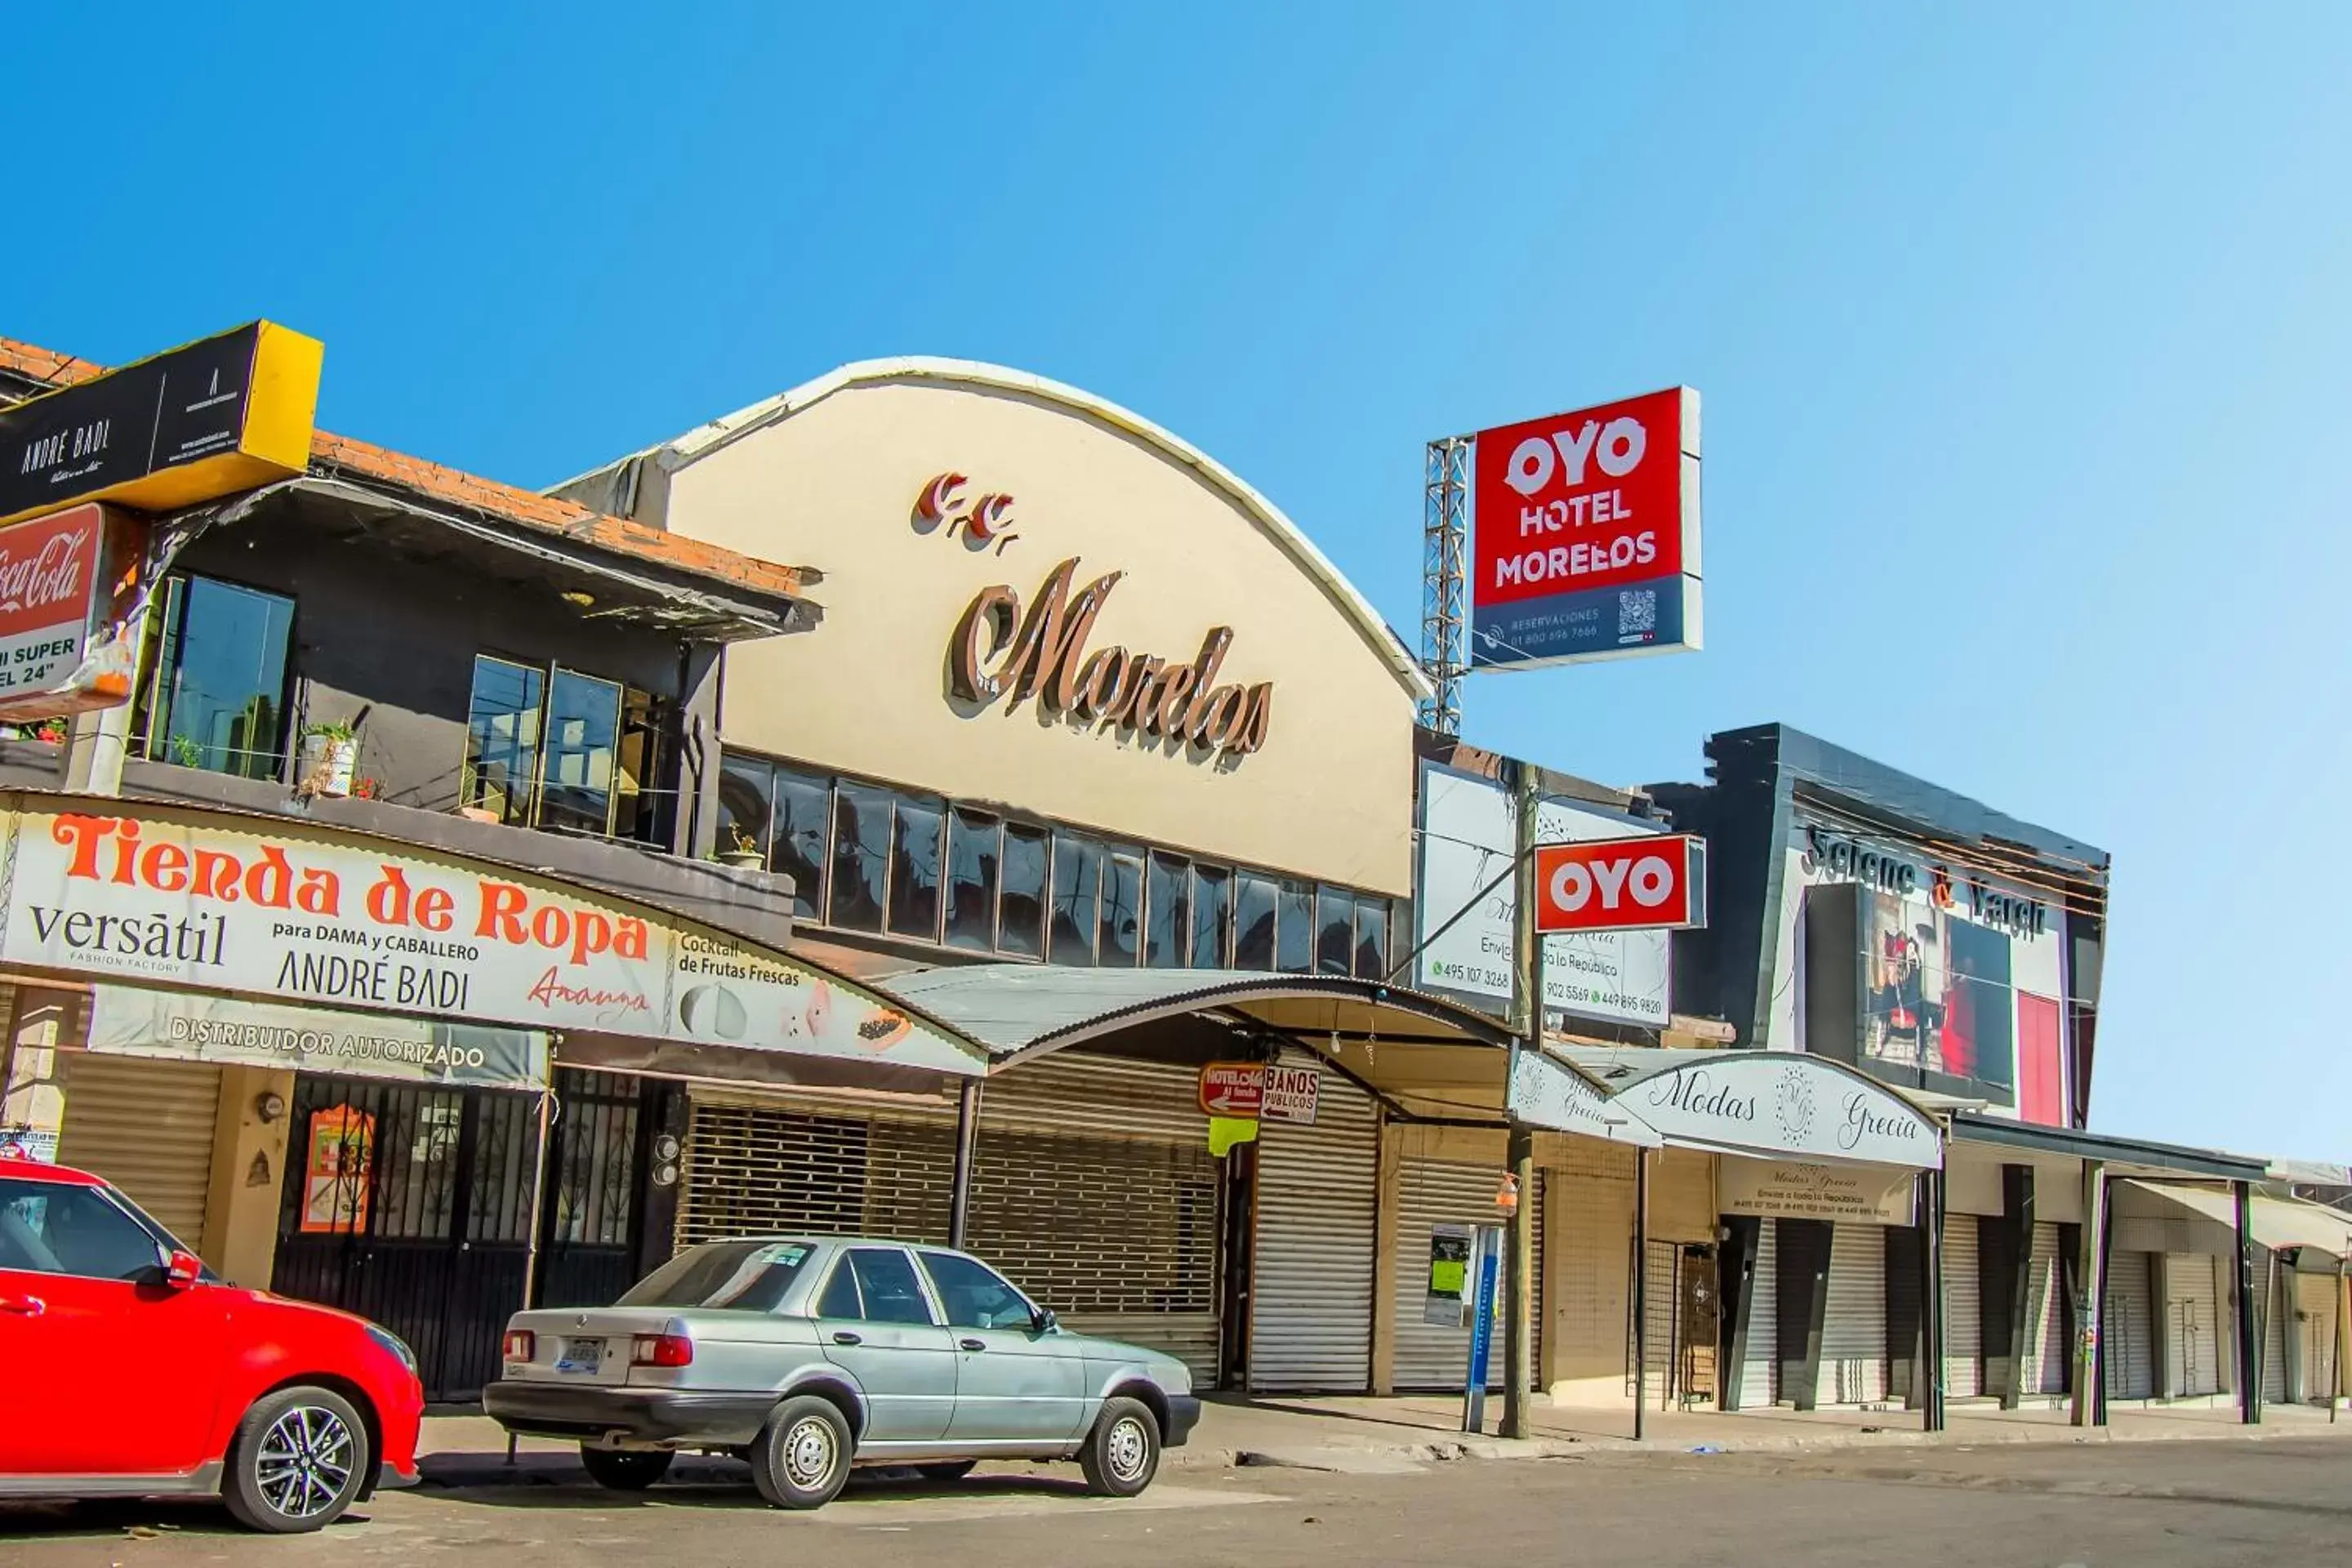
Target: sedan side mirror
{"x":182,"y":1269}
{"x":1044,"y":1322}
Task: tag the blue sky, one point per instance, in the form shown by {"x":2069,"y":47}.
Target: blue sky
{"x":2022,"y":331}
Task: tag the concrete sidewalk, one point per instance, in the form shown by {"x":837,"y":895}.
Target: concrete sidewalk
{"x":1369,"y":1435}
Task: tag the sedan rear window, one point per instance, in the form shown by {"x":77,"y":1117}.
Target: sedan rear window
{"x":724,"y":1276}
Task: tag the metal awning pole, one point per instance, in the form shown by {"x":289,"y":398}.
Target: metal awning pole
{"x":2336,"y":1367}
{"x":1519,"y":1151}
{"x":2249,"y":1356}
{"x":538,"y":1212}
{"x":967,"y":1144}
{"x":2090,"y":1307}
{"x":1641,"y":1287}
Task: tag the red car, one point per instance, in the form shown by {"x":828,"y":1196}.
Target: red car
{"x":131,"y":1370}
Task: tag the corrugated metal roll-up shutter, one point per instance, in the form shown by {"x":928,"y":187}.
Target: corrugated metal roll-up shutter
{"x":1431,"y":1194}
{"x":1661,"y":1293}
{"x":2192,"y":1321}
{"x":146,"y":1126}
{"x":2128,"y":1329}
{"x":1759,"y":1373}
{"x":2045,"y":1308}
{"x":1094,"y":1189}
{"x":1853,"y":1327}
{"x":2276,"y":1281}
{"x":2314,"y":1299}
{"x":1963,"y":1310}
{"x":1311,"y":1286}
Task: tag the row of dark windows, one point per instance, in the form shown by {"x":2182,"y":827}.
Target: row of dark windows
{"x":867,"y":858}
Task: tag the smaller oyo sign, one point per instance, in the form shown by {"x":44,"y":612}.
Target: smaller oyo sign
{"x":1656,"y":882}
{"x":69,"y":588}
{"x":1261,"y":1091}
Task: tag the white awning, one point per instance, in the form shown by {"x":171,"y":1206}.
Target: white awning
{"x":1770,"y":1105}
{"x":2278,"y":1223}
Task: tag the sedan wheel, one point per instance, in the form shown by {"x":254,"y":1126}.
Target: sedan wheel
{"x":299,"y":1459}
{"x":801,"y":1459}
{"x":1122,"y":1452}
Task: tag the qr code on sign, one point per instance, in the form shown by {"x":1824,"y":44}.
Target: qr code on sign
{"x":1637,"y":611}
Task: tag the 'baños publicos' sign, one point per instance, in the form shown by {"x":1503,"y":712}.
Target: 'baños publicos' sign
{"x":167,"y":896}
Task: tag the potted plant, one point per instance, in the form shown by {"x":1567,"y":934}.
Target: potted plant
{"x":331,"y":756}
{"x":746,"y":853}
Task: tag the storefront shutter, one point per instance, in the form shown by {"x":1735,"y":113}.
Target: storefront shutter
{"x":1963,"y":1310}
{"x":2276,"y":1282}
{"x":2128,"y":1330}
{"x":2192,"y":1321}
{"x":1760,"y":1375}
{"x":1431,"y":1194}
{"x":1311,"y":1290}
{"x":2045,"y":1364}
{"x":2314,"y":1298}
{"x":146,"y":1126}
{"x":1853,"y":1327}
{"x":1093,"y":1187}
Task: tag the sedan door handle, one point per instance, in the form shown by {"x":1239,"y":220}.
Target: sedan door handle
{"x":23,"y":1306}
{"x":974,"y":1344}
{"x":844,"y":1337}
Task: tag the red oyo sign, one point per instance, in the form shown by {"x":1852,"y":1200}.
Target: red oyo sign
{"x":1572,"y":501}
{"x":1234,"y":1089}
{"x":1657,"y":881}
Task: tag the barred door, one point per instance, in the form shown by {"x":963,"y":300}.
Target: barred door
{"x":410,"y":1204}
{"x":588,"y":1242}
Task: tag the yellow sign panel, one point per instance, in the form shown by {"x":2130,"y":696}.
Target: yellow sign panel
{"x":204,"y":420}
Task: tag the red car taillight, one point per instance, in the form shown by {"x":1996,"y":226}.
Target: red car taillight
{"x":521,"y":1344}
{"x":661,"y":1350}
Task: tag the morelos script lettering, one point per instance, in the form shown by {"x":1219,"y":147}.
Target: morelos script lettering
{"x":1044,"y":655}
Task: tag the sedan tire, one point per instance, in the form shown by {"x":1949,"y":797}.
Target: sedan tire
{"x":623,"y":1469}
{"x":801,"y":1459}
{"x":1122,"y":1453}
{"x":299,"y":1459}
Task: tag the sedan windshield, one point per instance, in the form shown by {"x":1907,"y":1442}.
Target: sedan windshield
{"x":723,"y":1276}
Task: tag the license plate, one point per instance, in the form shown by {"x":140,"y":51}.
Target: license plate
{"x":581,"y":1356}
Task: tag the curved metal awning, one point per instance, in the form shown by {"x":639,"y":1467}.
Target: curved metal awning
{"x":1770,"y":1105}
{"x":1021,"y":1010}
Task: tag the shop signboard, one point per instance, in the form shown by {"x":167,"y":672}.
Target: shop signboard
{"x":176,"y":895}
{"x":1866,"y":1195}
{"x":1781,"y":1102}
{"x":205,"y":419}
{"x":1546,"y":1093}
{"x":198,"y":1026}
{"x":1466,"y":838}
{"x":1261,"y":1091}
{"x":1651,"y":882}
{"x":1585,"y":534}
{"x":68,"y":597}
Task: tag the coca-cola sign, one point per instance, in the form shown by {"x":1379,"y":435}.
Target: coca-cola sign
{"x":68,"y":587}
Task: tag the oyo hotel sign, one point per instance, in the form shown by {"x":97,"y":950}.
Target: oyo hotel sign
{"x":1004,"y":650}
{"x":1585,"y":533}
{"x":1656,"y":882}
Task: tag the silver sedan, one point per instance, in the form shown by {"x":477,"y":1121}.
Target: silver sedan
{"x":808,"y":1355}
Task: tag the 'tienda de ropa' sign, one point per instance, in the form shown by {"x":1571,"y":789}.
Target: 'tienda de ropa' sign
{"x":168,"y":895}
{"x":1585,"y":534}
{"x":1783,"y":1103}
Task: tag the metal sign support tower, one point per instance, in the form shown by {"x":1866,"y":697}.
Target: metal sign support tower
{"x":1445,"y":554}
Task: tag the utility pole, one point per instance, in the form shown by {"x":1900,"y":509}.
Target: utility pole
{"x":1528,"y":1018}
{"x":2090,"y":1307}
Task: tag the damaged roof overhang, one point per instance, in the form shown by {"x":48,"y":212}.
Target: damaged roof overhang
{"x":602,"y":584}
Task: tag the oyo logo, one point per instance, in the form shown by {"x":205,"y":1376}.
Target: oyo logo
{"x":1617,"y":446}
{"x":1620,"y":884}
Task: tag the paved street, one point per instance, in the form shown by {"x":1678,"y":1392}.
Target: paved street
{"x":2189,"y":1503}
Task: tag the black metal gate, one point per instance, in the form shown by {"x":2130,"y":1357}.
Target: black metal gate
{"x":410,"y":1204}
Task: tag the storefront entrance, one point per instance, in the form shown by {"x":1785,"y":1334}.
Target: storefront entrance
{"x":411,"y":1205}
